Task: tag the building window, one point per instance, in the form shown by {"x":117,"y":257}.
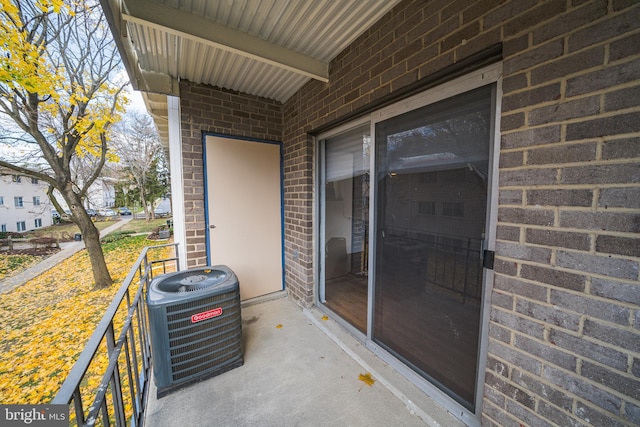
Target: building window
{"x":1,"y":200}
{"x":426,"y":208}
{"x":18,"y":202}
{"x":453,"y":209}
{"x":36,"y":200}
{"x":16,"y":178}
{"x":38,"y":222}
{"x":34,"y":180}
{"x":21,"y":226}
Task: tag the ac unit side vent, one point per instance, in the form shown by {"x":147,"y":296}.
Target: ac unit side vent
{"x":211,"y":365}
{"x":215,"y":299}
{"x":178,"y":326}
{"x":187,"y":322}
{"x":194,"y":335}
{"x":209,"y":349}
{"x":180,"y":308}
{"x":176,"y":340}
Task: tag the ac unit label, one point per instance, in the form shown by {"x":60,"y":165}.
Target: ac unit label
{"x":206,"y":315}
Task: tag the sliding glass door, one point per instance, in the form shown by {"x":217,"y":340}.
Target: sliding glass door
{"x":345,"y":213}
{"x":431,"y":205}
{"x":402,"y":253}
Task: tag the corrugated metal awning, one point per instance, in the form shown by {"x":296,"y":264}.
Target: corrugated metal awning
{"x":268,"y":48}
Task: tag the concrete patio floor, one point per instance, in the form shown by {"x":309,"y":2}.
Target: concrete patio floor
{"x":304,"y":373}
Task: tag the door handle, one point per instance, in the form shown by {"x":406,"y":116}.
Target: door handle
{"x":212,"y":226}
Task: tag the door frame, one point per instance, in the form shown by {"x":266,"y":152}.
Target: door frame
{"x":319,"y":231}
{"x":206,"y":193}
{"x":491,"y":74}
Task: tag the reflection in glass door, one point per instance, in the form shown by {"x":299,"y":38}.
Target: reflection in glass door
{"x":345,"y":213}
{"x":431,"y":209}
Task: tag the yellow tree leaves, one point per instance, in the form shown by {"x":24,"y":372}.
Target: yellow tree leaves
{"x":23,"y":63}
{"x":46,"y":53}
{"x":61,"y":84}
{"x":367,"y":379}
{"x":45,"y":324}
{"x":12,"y":264}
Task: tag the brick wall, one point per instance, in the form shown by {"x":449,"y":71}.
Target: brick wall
{"x":565,"y":338}
{"x":565,"y":320}
{"x":208,"y":109}
{"x":564,"y":344}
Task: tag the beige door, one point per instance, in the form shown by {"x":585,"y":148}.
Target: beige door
{"x":244,"y":209}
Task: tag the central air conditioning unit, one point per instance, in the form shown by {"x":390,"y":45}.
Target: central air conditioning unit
{"x":195,"y":323}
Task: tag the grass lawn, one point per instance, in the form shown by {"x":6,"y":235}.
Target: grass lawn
{"x":12,"y":264}
{"x":45,"y":323}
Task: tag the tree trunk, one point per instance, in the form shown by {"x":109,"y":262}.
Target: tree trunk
{"x":143,"y":200}
{"x":91,"y":235}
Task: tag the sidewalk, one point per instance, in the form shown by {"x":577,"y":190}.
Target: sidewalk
{"x":67,"y":249}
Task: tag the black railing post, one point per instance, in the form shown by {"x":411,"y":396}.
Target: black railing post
{"x":137,"y":354}
{"x":105,"y":413}
{"x":116,"y":386}
{"x":135,"y":384}
{"x":77,"y":404}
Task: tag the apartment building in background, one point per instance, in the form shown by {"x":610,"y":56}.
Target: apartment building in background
{"x":24,"y":204}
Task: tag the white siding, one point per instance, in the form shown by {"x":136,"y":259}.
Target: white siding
{"x":11,"y":215}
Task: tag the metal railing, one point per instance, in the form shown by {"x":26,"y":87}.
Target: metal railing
{"x":447,"y":261}
{"x":113,"y":370}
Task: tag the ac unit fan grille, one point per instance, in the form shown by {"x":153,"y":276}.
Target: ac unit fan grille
{"x":203,"y":331}
{"x":203,"y":354}
{"x":195,"y":334}
{"x":220,"y":341}
{"x":206,"y":345}
{"x":212,"y":365}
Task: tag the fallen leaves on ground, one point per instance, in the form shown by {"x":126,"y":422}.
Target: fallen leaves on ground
{"x":367,"y":379}
{"x":45,"y":323}
{"x":10,"y":265}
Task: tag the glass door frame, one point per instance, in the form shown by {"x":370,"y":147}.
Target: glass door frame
{"x":320,"y":234}
{"x":488,"y":75}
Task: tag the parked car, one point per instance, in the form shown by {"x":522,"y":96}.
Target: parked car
{"x":124,"y":211}
{"x":56,"y":216}
{"x":92,"y":212}
{"x":108,"y":213}
{"x":160,"y":212}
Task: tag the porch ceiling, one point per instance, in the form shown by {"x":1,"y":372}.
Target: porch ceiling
{"x":268,"y":48}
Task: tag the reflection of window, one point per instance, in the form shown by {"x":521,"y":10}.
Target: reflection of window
{"x":21,"y":226}
{"x":16,"y":178}
{"x":453,"y":209}
{"x":38,"y":222}
{"x":36,"y":200}
{"x":426,"y":208}
{"x":17,"y":201}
